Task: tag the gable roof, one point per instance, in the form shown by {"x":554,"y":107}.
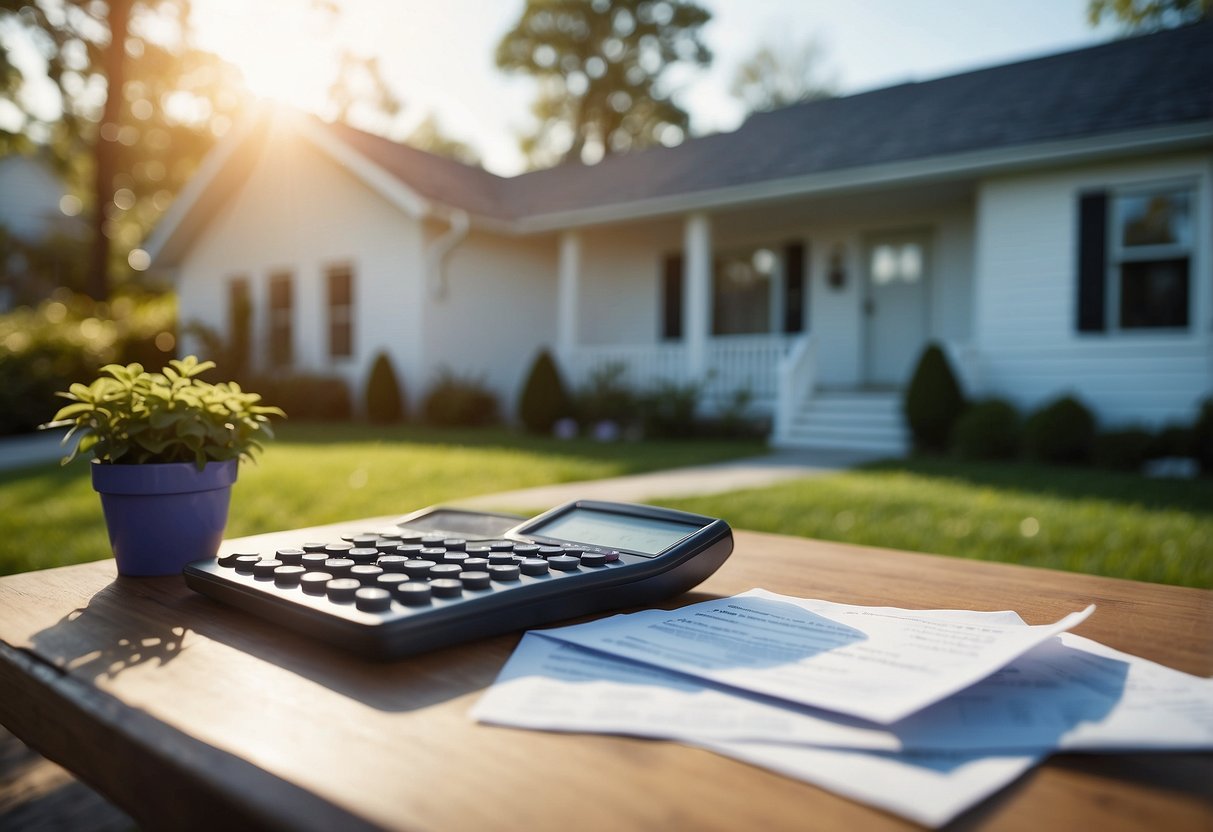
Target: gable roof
{"x":1034,"y":110}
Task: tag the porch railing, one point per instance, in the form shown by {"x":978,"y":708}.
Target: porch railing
{"x":796,"y":375}
{"x":735,"y":363}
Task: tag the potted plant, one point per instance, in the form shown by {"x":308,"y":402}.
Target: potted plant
{"x":166,"y":447}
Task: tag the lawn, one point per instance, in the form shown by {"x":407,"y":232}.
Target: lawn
{"x":313,"y":474}
{"x":1080,"y":520}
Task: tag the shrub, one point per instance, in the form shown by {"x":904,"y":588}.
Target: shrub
{"x":384,"y":398}
{"x":606,"y":397}
{"x":306,"y":396}
{"x":1122,"y":450}
{"x":668,"y":410}
{"x":1062,"y":431}
{"x":933,"y":401}
{"x":544,"y":399}
{"x":1202,"y":436}
{"x":455,"y":401}
{"x":70,"y":337}
{"x":1172,"y":440}
{"x":987,"y":430}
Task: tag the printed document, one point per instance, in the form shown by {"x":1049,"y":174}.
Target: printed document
{"x":880,"y":664}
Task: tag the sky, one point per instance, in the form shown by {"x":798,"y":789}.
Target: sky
{"x":438,"y":56}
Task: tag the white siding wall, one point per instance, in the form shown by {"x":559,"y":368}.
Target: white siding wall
{"x":621,"y":268}
{"x":498,"y":310}
{"x":300,"y":212}
{"x":1028,"y":347}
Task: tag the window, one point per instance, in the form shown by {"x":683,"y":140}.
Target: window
{"x":754,"y":291}
{"x":340,"y":281}
{"x":239,"y":321}
{"x":1135,"y":255}
{"x":281,"y":314}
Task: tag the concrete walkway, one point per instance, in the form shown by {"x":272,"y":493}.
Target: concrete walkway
{"x":692,"y":481}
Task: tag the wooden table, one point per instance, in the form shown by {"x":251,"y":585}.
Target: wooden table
{"x":187,"y":713}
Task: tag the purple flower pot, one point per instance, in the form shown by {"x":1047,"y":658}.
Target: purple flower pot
{"x":162,"y":516}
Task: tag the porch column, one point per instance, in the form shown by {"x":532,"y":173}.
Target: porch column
{"x":697,"y":299}
{"x":567,"y":291}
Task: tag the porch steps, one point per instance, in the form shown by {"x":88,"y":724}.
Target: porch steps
{"x":853,"y":420}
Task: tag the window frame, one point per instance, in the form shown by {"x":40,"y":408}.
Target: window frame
{"x":331,"y":317}
{"x":280,"y":319}
{"x":1117,"y":254}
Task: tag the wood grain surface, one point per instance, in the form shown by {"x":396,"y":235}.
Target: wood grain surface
{"x":187,"y":713}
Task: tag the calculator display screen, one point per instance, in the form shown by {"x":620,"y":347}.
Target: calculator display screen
{"x":615,"y":531}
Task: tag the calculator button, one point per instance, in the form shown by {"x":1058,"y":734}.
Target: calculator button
{"x":265,"y":568}
{"x":418,"y":569}
{"x":391,"y":534}
{"x":337,"y":550}
{"x":413,"y":593}
{"x":365,"y":573}
{"x":533,"y":566}
{"x":571,"y":549}
{"x":454,"y":557}
{"x":504,"y":558}
{"x":501,"y":546}
{"x":390,"y":580}
{"x":526,"y":550}
{"x":475,"y":580}
{"x":502,"y":572}
{"x":230,"y":560}
{"x":433,"y":553}
{"x":565,"y":563}
{"x":313,"y":561}
{"x":446,"y":587}
{"x":392,"y":563}
{"x":314,"y":547}
{"x":431,"y":540}
{"x":341,"y":589}
{"x":338,"y":566}
{"x":409,"y":550}
{"x":373,"y":599}
{"x":363,"y":555}
{"x":594,"y":559}
{"x":476,"y":564}
{"x":455,"y":543}
{"x":550,"y":551}
{"x":288,"y":575}
{"x":445,"y":570}
{"x":611,"y":555}
{"x":291,"y":557}
{"x":244,"y":563}
{"x":387,"y":546}
{"x":478,"y":551}
{"x":313,"y":582}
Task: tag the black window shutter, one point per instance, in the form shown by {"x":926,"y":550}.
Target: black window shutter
{"x":794,"y":288}
{"x":671,"y":298}
{"x":1092,"y":261}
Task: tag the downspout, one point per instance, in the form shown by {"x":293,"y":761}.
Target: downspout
{"x":441,"y":249}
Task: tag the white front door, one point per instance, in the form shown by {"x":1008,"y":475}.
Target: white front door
{"x":895,"y":307}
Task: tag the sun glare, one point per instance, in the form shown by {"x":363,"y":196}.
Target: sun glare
{"x":281,"y":49}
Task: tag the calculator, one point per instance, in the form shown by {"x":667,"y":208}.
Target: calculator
{"x":443,"y":576}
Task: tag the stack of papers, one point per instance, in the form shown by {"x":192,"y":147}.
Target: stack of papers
{"x":921,"y":713}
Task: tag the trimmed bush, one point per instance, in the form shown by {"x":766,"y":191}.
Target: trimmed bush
{"x":987,"y":430}
{"x":933,"y":401}
{"x":306,"y":397}
{"x":384,"y":398}
{"x":606,"y":397}
{"x":456,"y":401}
{"x":1202,"y":436}
{"x":1122,"y":450}
{"x":544,"y":399}
{"x":1062,"y":432}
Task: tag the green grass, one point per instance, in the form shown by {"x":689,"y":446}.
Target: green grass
{"x":313,"y":474}
{"x":1079,"y":520}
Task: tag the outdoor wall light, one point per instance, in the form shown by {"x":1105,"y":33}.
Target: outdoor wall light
{"x":836,"y":274}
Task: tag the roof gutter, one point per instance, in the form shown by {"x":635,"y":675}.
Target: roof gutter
{"x":441,"y":249}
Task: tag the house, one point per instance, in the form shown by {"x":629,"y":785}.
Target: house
{"x":1048,"y":221}
{"x":35,"y":209}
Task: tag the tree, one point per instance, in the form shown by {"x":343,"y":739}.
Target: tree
{"x":1149,"y":15}
{"x":782,"y":73}
{"x":136,"y":108}
{"x":360,"y":95}
{"x":602,"y":69}
{"x":429,"y":136}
